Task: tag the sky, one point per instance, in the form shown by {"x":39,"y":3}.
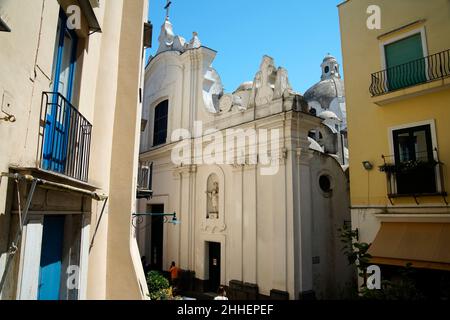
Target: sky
{"x":296,"y":33}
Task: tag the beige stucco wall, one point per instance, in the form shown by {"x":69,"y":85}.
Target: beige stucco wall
{"x":108,"y":77}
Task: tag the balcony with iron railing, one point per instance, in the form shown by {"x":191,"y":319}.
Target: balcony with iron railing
{"x":430,"y":68}
{"x":414,"y":178}
{"x":65,"y":139}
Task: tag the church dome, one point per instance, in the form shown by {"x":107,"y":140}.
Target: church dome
{"x":326,"y":115}
{"x":330,"y":87}
{"x":325,"y":92}
{"x":248,"y":85}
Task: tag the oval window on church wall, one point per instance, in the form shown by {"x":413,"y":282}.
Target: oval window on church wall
{"x":325,"y":183}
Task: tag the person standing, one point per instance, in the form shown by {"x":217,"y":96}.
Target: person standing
{"x":174,"y":271}
{"x":221,"y":294}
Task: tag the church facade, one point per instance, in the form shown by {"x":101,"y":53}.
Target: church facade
{"x":255,"y":178}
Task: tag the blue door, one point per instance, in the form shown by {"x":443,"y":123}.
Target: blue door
{"x":58,"y":117}
{"x":51,"y":258}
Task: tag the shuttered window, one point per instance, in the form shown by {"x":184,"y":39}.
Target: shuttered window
{"x":404,"y":62}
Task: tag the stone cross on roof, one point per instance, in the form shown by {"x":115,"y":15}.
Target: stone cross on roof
{"x":167,"y":8}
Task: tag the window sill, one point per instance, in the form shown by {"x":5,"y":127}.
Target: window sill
{"x":411,"y":92}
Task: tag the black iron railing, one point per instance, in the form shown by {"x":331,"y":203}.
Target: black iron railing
{"x":66,"y":137}
{"x":430,"y":68}
{"x":413,"y":178}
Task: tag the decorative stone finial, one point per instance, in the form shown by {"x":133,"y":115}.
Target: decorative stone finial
{"x":194,"y":42}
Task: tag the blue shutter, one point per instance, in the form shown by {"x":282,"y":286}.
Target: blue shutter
{"x":58,"y":119}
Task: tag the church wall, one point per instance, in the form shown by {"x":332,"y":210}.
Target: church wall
{"x":265,"y":224}
{"x":331,"y":272}
{"x":164,"y":80}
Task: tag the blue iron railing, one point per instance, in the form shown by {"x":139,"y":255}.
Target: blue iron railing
{"x":66,"y":138}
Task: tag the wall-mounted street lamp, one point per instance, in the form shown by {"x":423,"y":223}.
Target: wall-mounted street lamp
{"x":367,"y":165}
{"x":138,"y":218}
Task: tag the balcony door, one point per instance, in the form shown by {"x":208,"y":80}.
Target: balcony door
{"x":58,"y":116}
{"x":405,"y":62}
{"x":414,"y":155}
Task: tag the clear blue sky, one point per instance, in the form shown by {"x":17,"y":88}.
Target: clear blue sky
{"x":296,"y":33}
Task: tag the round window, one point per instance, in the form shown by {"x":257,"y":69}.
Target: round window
{"x":325,"y":183}
{"x":327,"y":69}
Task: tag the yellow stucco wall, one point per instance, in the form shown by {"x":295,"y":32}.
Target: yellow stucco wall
{"x":368,"y":122}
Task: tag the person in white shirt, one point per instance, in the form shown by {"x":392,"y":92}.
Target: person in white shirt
{"x":221,"y":294}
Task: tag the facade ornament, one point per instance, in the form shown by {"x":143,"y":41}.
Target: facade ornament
{"x":166,"y":36}
{"x":226,"y":102}
{"x":282,"y":85}
{"x":262,"y":91}
{"x":230,"y":101}
{"x":194,"y":42}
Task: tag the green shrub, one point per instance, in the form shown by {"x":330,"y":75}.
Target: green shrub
{"x":158,"y":286}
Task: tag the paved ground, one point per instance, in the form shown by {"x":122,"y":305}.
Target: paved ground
{"x":199,"y":295}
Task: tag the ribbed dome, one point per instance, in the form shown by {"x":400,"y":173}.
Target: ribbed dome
{"x":325,"y":91}
{"x":331,"y":85}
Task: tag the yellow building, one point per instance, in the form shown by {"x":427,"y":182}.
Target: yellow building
{"x":396,"y":57}
{"x":70,"y":73}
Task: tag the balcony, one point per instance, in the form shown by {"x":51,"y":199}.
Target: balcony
{"x":413,"y":178}
{"x":66,"y":138}
{"x":416,"y":72}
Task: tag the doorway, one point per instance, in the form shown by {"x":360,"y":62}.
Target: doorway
{"x":157,"y":237}
{"x":51,"y":258}
{"x":214,"y":266}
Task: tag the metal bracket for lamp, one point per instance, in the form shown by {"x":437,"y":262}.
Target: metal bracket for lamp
{"x":138,"y":218}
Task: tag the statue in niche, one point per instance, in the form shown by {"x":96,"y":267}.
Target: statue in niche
{"x":213,"y":199}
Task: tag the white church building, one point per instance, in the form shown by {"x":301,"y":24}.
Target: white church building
{"x":255,"y":178}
